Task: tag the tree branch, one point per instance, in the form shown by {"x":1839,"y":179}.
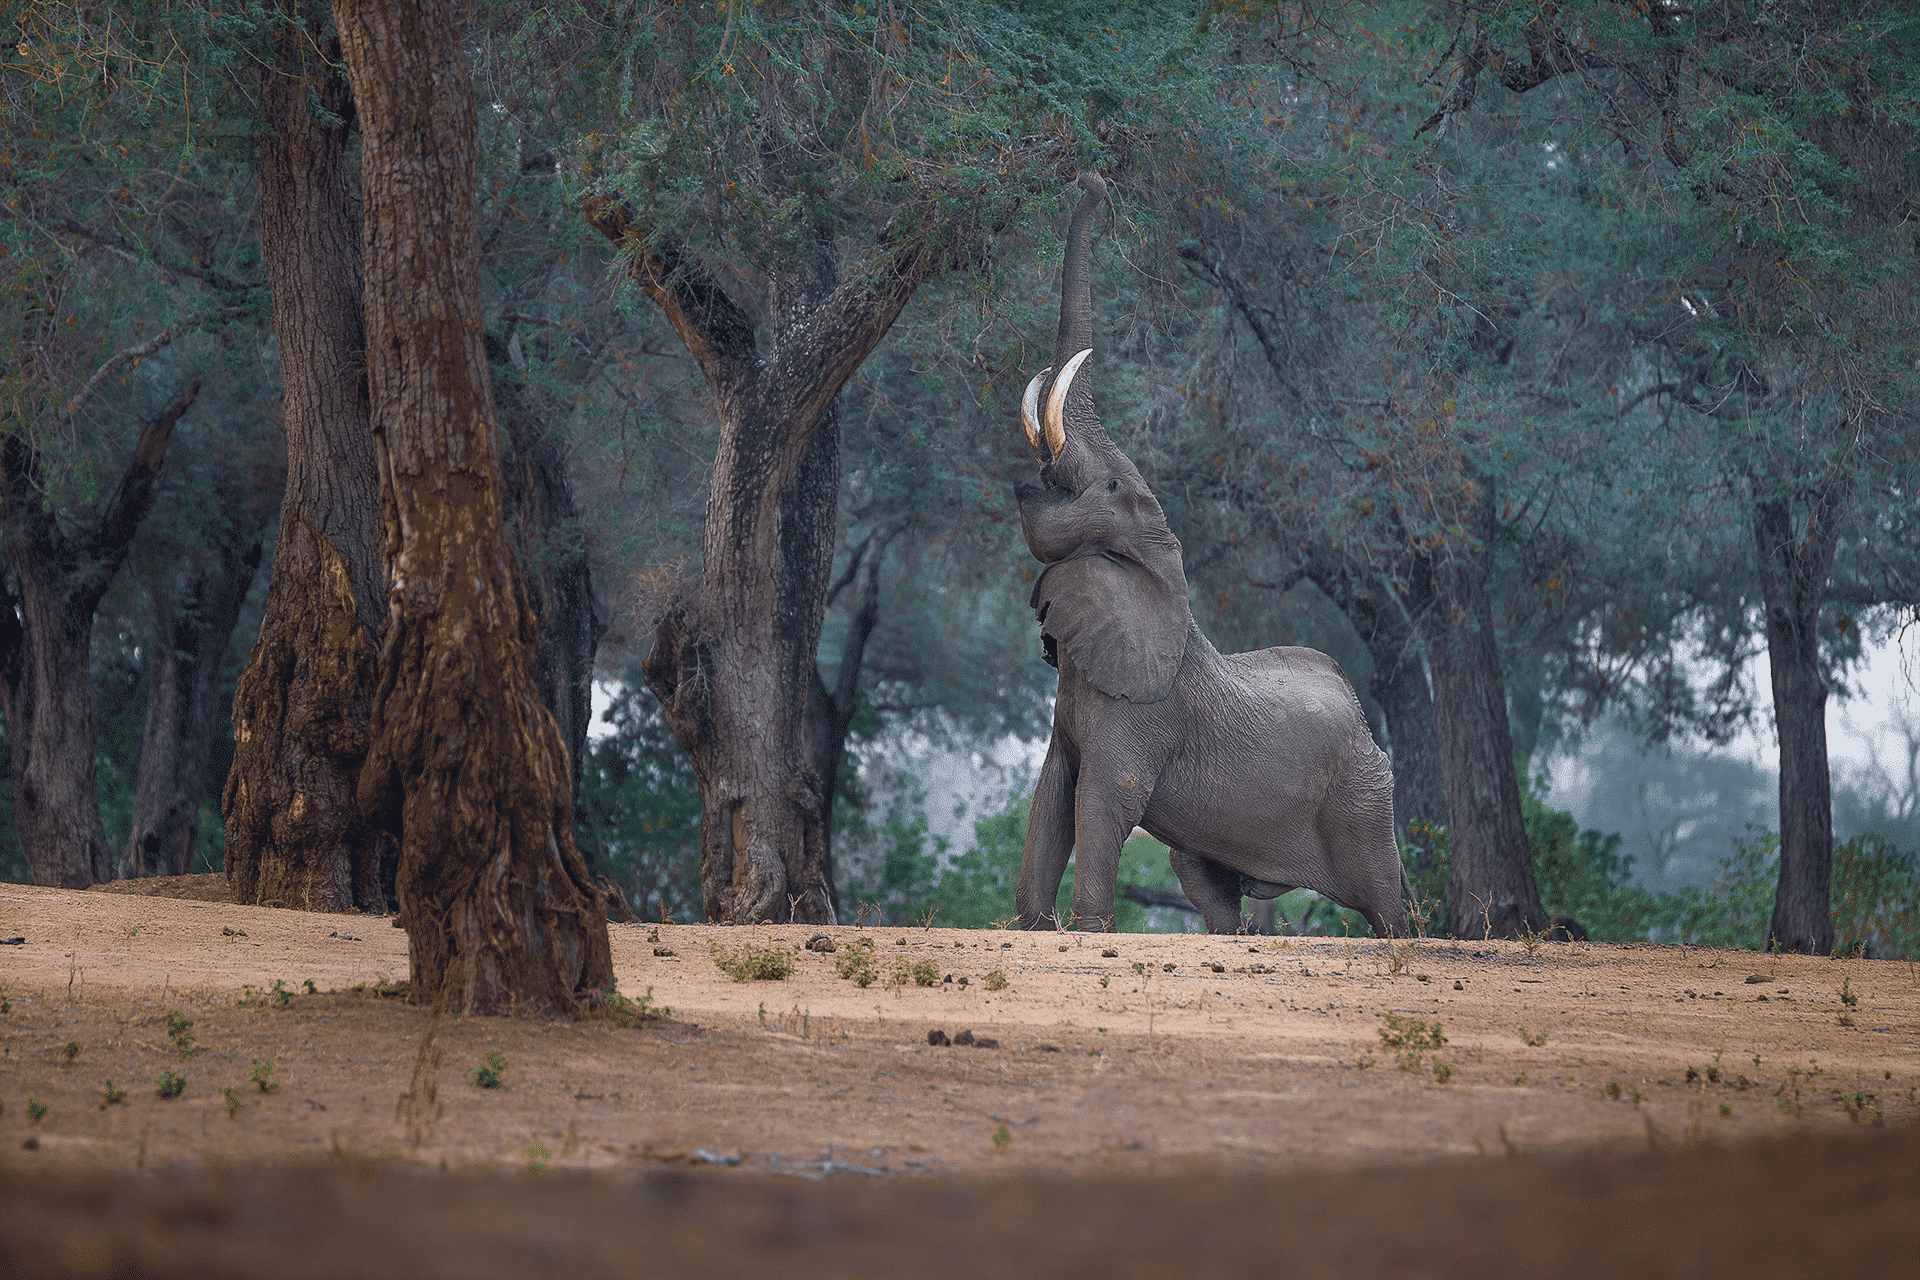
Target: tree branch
{"x":715,"y":329}
{"x":106,"y":547}
{"x":114,"y":361}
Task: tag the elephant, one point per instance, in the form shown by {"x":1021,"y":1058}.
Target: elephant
{"x":1255,"y":769}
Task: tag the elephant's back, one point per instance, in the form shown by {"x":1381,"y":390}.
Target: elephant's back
{"x":1300,"y":687}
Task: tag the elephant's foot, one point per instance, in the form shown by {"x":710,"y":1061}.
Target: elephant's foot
{"x":1212,"y":888}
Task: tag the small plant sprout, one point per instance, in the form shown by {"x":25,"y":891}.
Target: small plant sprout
{"x":763,"y":1014}
{"x":1612,"y":1090}
{"x":1864,"y":1108}
{"x":169,"y":1084}
{"x":1521,"y":1078}
{"x":70,"y":1050}
{"x":1001,"y":1140}
{"x":180,"y":1030}
{"x":114,"y":1095}
{"x":1847,"y":997}
{"x":262,"y":1075}
{"x":1442,"y":1071}
{"x":311,"y":989}
{"x":1726,"y":1108}
{"x":487,"y":1074}
{"x":1104,"y":980}
{"x":996,"y":980}
{"x":537,"y":1154}
{"x":281,"y":996}
{"x":234,"y":1105}
{"x":1532,"y":1040}
{"x":1364,"y":1061}
{"x":36,"y":1109}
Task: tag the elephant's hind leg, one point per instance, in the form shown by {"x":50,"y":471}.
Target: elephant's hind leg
{"x":1211,"y":887}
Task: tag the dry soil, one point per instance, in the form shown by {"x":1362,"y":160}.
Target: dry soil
{"x":1147,"y":1076}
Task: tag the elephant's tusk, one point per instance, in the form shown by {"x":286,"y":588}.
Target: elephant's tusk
{"x":1056,"y":402}
{"x":1030,"y":407}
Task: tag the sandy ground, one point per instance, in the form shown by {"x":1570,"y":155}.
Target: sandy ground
{"x":1178,"y":1056}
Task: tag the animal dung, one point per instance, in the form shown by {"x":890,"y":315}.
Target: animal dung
{"x":822,"y":943}
{"x":937,"y":1037}
{"x":1110,"y":954}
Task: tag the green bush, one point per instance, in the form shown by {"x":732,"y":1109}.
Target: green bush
{"x":752,"y":963}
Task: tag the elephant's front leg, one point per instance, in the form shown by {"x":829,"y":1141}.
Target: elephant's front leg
{"x":1043,"y":862}
{"x":1211,"y":887}
{"x":1108,"y":804}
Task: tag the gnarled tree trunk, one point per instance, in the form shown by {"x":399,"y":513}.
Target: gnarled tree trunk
{"x":294,"y":834}
{"x":46,"y":643}
{"x":1793,"y":582}
{"x":466,"y":766}
{"x":733,"y":660}
{"x":1492,"y":888}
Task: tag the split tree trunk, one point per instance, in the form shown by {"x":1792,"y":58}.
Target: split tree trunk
{"x":1399,"y":686}
{"x":466,"y":766}
{"x":294,"y":833}
{"x":734,"y":658}
{"x":1793,"y":583}
{"x":1492,"y":887}
{"x":46,"y":644}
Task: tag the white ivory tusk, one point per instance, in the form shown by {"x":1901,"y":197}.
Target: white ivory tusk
{"x":1030,"y":407}
{"x":1057,"y":401}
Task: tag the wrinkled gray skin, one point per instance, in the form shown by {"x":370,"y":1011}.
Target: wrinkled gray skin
{"x":1255,"y":769}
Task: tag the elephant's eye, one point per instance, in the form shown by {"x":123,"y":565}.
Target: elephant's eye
{"x":1113,"y":485}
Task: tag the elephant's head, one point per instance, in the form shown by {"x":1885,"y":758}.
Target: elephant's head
{"x":1113,"y":597}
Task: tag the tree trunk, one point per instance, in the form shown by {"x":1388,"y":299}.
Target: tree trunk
{"x":294,"y":834}
{"x":830,"y":712}
{"x":545,"y":529}
{"x":466,"y":766}
{"x":733,"y":660}
{"x":47,"y":638}
{"x":1492,"y":888}
{"x":190,"y":638}
{"x":1399,"y":685}
{"x":1793,"y":583}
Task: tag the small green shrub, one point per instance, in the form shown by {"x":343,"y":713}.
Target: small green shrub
{"x":36,"y":1109}
{"x":169,"y":1084}
{"x":71,"y":1050}
{"x":1532,"y":1041}
{"x":262,"y":1075}
{"x":627,"y":1012}
{"x":180,"y":1029}
{"x":1409,"y":1038}
{"x":857,"y":964}
{"x":115,"y":1095}
{"x":751,"y":962}
{"x":234,"y":1105}
{"x":487,"y":1074}
{"x":996,"y":980}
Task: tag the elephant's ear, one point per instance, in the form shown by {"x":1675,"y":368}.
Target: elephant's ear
{"x":1123,"y":625}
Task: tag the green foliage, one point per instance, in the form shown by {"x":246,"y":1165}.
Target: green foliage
{"x":169,"y":1084}
{"x":627,"y":1012}
{"x":751,"y":962}
{"x":114,"y":1095}
{"x":36,"y":1109}
{"x":262,"y":1075}
{"x":1875,"y":899}
{"x":857,"y":964}
{"x":180,"y":1031}
{"x":639,"y":810}
{"x":1584,"y":875}
{"x":488,"y":1074}
{"x":1410,"y":1039}
{"x":234,"y":1105}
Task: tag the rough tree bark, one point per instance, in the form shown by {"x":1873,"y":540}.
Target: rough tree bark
{"x":545,"y":528}
{"x":294,"y":834}
{"x":192,"y":627}
{"x":466,"y":766}
{"x":1794,"y":565}
{"x":46,"y":643}
{"x":1492,"y":888}
{"x":733,"y":659}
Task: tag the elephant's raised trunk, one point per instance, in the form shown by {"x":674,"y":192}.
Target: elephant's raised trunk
{"x":1076,"y":286}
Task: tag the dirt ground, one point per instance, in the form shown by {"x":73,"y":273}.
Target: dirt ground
{"x":1245,"y":1079}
